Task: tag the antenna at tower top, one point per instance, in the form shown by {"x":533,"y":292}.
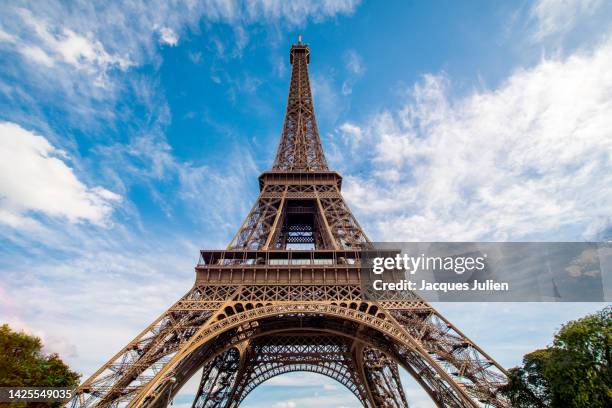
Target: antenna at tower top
{"x":299,"y":38}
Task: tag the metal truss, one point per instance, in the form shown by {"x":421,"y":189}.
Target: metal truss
{"x":333,"y":223}
{"x":262,"y":307}
{"x":300,"y":147}
{"x":267,"y":357}
{"x":382,"y":377}
{"x":451,"y":368}
{"x":215,"y":390}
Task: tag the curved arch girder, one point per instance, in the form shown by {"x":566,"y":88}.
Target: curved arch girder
{"x":266,"y":356}
{"x":447,"y":389}
{"x":340,"y":377}
{"x":409,"y":352}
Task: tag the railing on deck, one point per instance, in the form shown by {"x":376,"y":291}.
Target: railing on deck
{"x":220,"y":258}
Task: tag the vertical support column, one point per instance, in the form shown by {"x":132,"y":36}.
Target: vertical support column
{"x":381,"y":377}
{"x":279,"y":212}
{"x":330,"y":236}
{"x":218,"y":378}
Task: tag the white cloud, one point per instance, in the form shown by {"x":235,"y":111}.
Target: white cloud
{"x":532,"y":158}
{"x":354,"y":62}
{"x":37,"y":55}
{"x":280,"y":66}
{"x":6,"y":37}
{"x":82,"y":52}
{"x":351,"y":129}
{"x":229,"y":190}
{"x":168,"y":36}
{"x":284,"y":404}
{"x":297,"y":12}
{"x":351,"y":133}
{"x":34,"y":177}
{"x":106,"y":36}
{"x":119,"y":287}
{"x":355,"y":69}
{"x":80,"y":57}
{"x":559,"y":16}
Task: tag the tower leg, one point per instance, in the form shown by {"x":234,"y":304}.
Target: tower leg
{"x":381,"y":376}
{"x":218,"y":378}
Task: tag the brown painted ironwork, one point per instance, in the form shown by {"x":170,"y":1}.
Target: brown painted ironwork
{"x":285,"y":296}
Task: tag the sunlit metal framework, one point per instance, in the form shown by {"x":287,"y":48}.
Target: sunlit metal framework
{"x":285,"y":296}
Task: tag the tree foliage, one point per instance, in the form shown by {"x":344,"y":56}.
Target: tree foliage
{"x":574,"y":372}
{"x":23,"y":363}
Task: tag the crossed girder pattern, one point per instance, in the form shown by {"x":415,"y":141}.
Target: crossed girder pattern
{"x":270,"y":356}
{"x":254,"y":232}
{"x":218,"y":376}
{"x":470,"y":366}
{"x":335,"y":226}
{"x":382,"y":377}
{"x":454,"y":371}
{"x":137,"y":363}
{"x":300,"y":145}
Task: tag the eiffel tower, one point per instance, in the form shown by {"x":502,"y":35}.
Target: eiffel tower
{"x":285,"y":296}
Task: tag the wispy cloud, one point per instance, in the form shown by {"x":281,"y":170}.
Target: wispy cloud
{"x":354,"y":62}
{"x":168,"y":36}
{"x":559,"y":16}
{"x":355,"y":68}
{"x":530,"y":157}
{"x":329,"y":103}
{"x":297,"y":12}
{"x":81,"y":60}
{"x":227,"y":190}
{"x":84,"y":53}
{"x":351,"y":132}
{"x":112,"y":35}
{"x":91,"y":303}
{"x":285,"y":404}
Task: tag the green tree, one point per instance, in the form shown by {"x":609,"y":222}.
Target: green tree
{"x":574,"y":372}
{"x":23,"y":364}
{"x":526,"y":385}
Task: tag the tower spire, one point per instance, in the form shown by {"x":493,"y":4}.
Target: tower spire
{"x":300,"y":147}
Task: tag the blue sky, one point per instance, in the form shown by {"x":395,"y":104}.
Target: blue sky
{"x":132,"y":134}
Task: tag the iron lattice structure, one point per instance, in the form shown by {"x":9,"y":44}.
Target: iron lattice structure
{"x":285,"y":296}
